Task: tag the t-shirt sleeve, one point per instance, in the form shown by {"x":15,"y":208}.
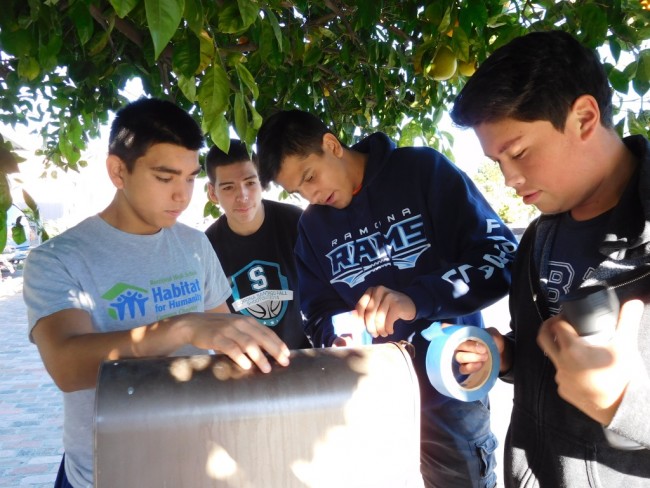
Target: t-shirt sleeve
{"x":217,"y":289}
{"x":49,"y":287}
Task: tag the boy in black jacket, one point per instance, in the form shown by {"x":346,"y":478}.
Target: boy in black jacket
{"x":404,"y":238}
{"x":541,"y":108}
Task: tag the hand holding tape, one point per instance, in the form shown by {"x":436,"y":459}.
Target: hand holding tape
{"x":443,"y":370}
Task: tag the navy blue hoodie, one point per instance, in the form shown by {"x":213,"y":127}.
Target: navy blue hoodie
{"x":418,"y":226}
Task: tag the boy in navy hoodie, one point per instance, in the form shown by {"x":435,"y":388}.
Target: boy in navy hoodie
{"x":541,"y":107}
{"x":404,"y":238}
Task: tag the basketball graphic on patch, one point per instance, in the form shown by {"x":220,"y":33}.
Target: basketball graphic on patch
{"x":265,"y":310}
{"x":260,"y":290}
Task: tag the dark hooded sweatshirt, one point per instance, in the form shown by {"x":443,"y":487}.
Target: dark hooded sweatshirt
{"x":418,"y":226}
{"x":550,"y":443}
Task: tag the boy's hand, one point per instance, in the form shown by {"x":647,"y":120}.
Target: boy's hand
{"x":472,"y":355}
{"x":340,"y":341}
{"x":241,"y":338}
{"x":594,"y":378}
{"x":380,"y":307}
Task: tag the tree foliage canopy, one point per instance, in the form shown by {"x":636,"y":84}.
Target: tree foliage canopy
{"x":361,"y":65}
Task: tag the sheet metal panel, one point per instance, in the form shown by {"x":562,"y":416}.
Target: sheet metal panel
{"x":335,"y":417}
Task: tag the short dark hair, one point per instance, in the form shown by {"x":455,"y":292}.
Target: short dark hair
{"x":534,"y":77}
{"x":237,"y":153}
{"x":287,"y":133}
{"x":148,"y":121}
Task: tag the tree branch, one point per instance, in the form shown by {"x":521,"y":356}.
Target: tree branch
{"x":126,"y":28}
{"x":334,"y":8}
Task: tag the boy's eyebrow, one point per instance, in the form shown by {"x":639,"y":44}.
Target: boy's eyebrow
{"x":302,"y":180}
{"x":177,"y":172}
{"x":251,"y":177}
{"x":508,"y":143}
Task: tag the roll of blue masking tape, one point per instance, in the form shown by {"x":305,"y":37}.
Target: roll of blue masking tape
{"x":443,"y":369}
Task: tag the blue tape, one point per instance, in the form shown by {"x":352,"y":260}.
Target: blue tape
{"x":442,"y":368}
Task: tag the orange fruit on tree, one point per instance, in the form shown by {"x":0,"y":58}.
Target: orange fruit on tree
{"x":443,"y":65}
{"x":466,"y":68}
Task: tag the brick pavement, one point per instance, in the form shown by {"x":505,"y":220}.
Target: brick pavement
{"x":31,"y":409}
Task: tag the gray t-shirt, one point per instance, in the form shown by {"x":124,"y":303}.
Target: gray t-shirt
{"x":123,"y":281}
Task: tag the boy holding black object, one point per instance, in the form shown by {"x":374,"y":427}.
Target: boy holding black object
{"x":541,"y":108}
{"x":403,"y":238}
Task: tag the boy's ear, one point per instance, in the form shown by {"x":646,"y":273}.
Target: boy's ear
{"x":116,"y":169}
{"x":212,"y":194}
{"x":586,"y":115}
{"x":332,"y":144}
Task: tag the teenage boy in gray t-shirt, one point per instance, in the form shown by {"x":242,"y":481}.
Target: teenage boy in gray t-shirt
{"x":131,"y":281}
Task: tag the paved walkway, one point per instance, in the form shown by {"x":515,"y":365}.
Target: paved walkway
{"x":31,"y":407}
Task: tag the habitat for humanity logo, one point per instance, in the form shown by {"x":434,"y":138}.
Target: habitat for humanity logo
{"x":126,"y":299}
{"x":180,"y":296}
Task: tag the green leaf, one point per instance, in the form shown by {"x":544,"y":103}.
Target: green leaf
{"x":249,"y":10}
{"x":123,"y":7}
{"x":3,"y":231}
{"x":230,"y":22}
{"x":257,"y":118}
{"x":241,"y":119}
{"x":267,"y":45}
{"x":461,"y":44}
{"x":18,"y":232}
{"x":68,"y":150}
{"x":31,"y":204}
{"x":619,"y":81}
{"x":207,"y":51}
{"x":163,"y":18}
{"x":273,"y":20}
{"x":445,"y":22}
{"x":643,"y":69}
{"x":214,"y":91}
{"x":640,"y":87}
{"x":194,"y":15}
{"x":220,"y":132}
{"x":187,"y":55}
{"x":18,"y":43}
{"x":359,"y":85}
{"x":615,"y":49}
{"x":593,"y":21}
{"x":247,"y":78}
{"x":83,"y":21}
{"x":312,"y":56}
{"x":410,"y":133}
{"x":476,"y":12}
{"x":211,"y":210}
{"x":28,"y":68}
{"x":188,"y":87}
{"x":98,"y":43}
{"x":5,"y":194}
{"x":48,"y":52}
{"x":637,"y":124}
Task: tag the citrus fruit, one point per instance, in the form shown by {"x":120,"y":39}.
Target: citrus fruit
{"x":466,"y":68}
{"x":443,"y":65}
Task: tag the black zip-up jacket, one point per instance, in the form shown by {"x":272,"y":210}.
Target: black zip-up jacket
{"x":550,"y":443}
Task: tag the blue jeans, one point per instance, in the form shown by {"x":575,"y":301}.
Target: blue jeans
{"x":456,"y":443}
{"x":457,"y":446}
{"x":61,"y":478}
